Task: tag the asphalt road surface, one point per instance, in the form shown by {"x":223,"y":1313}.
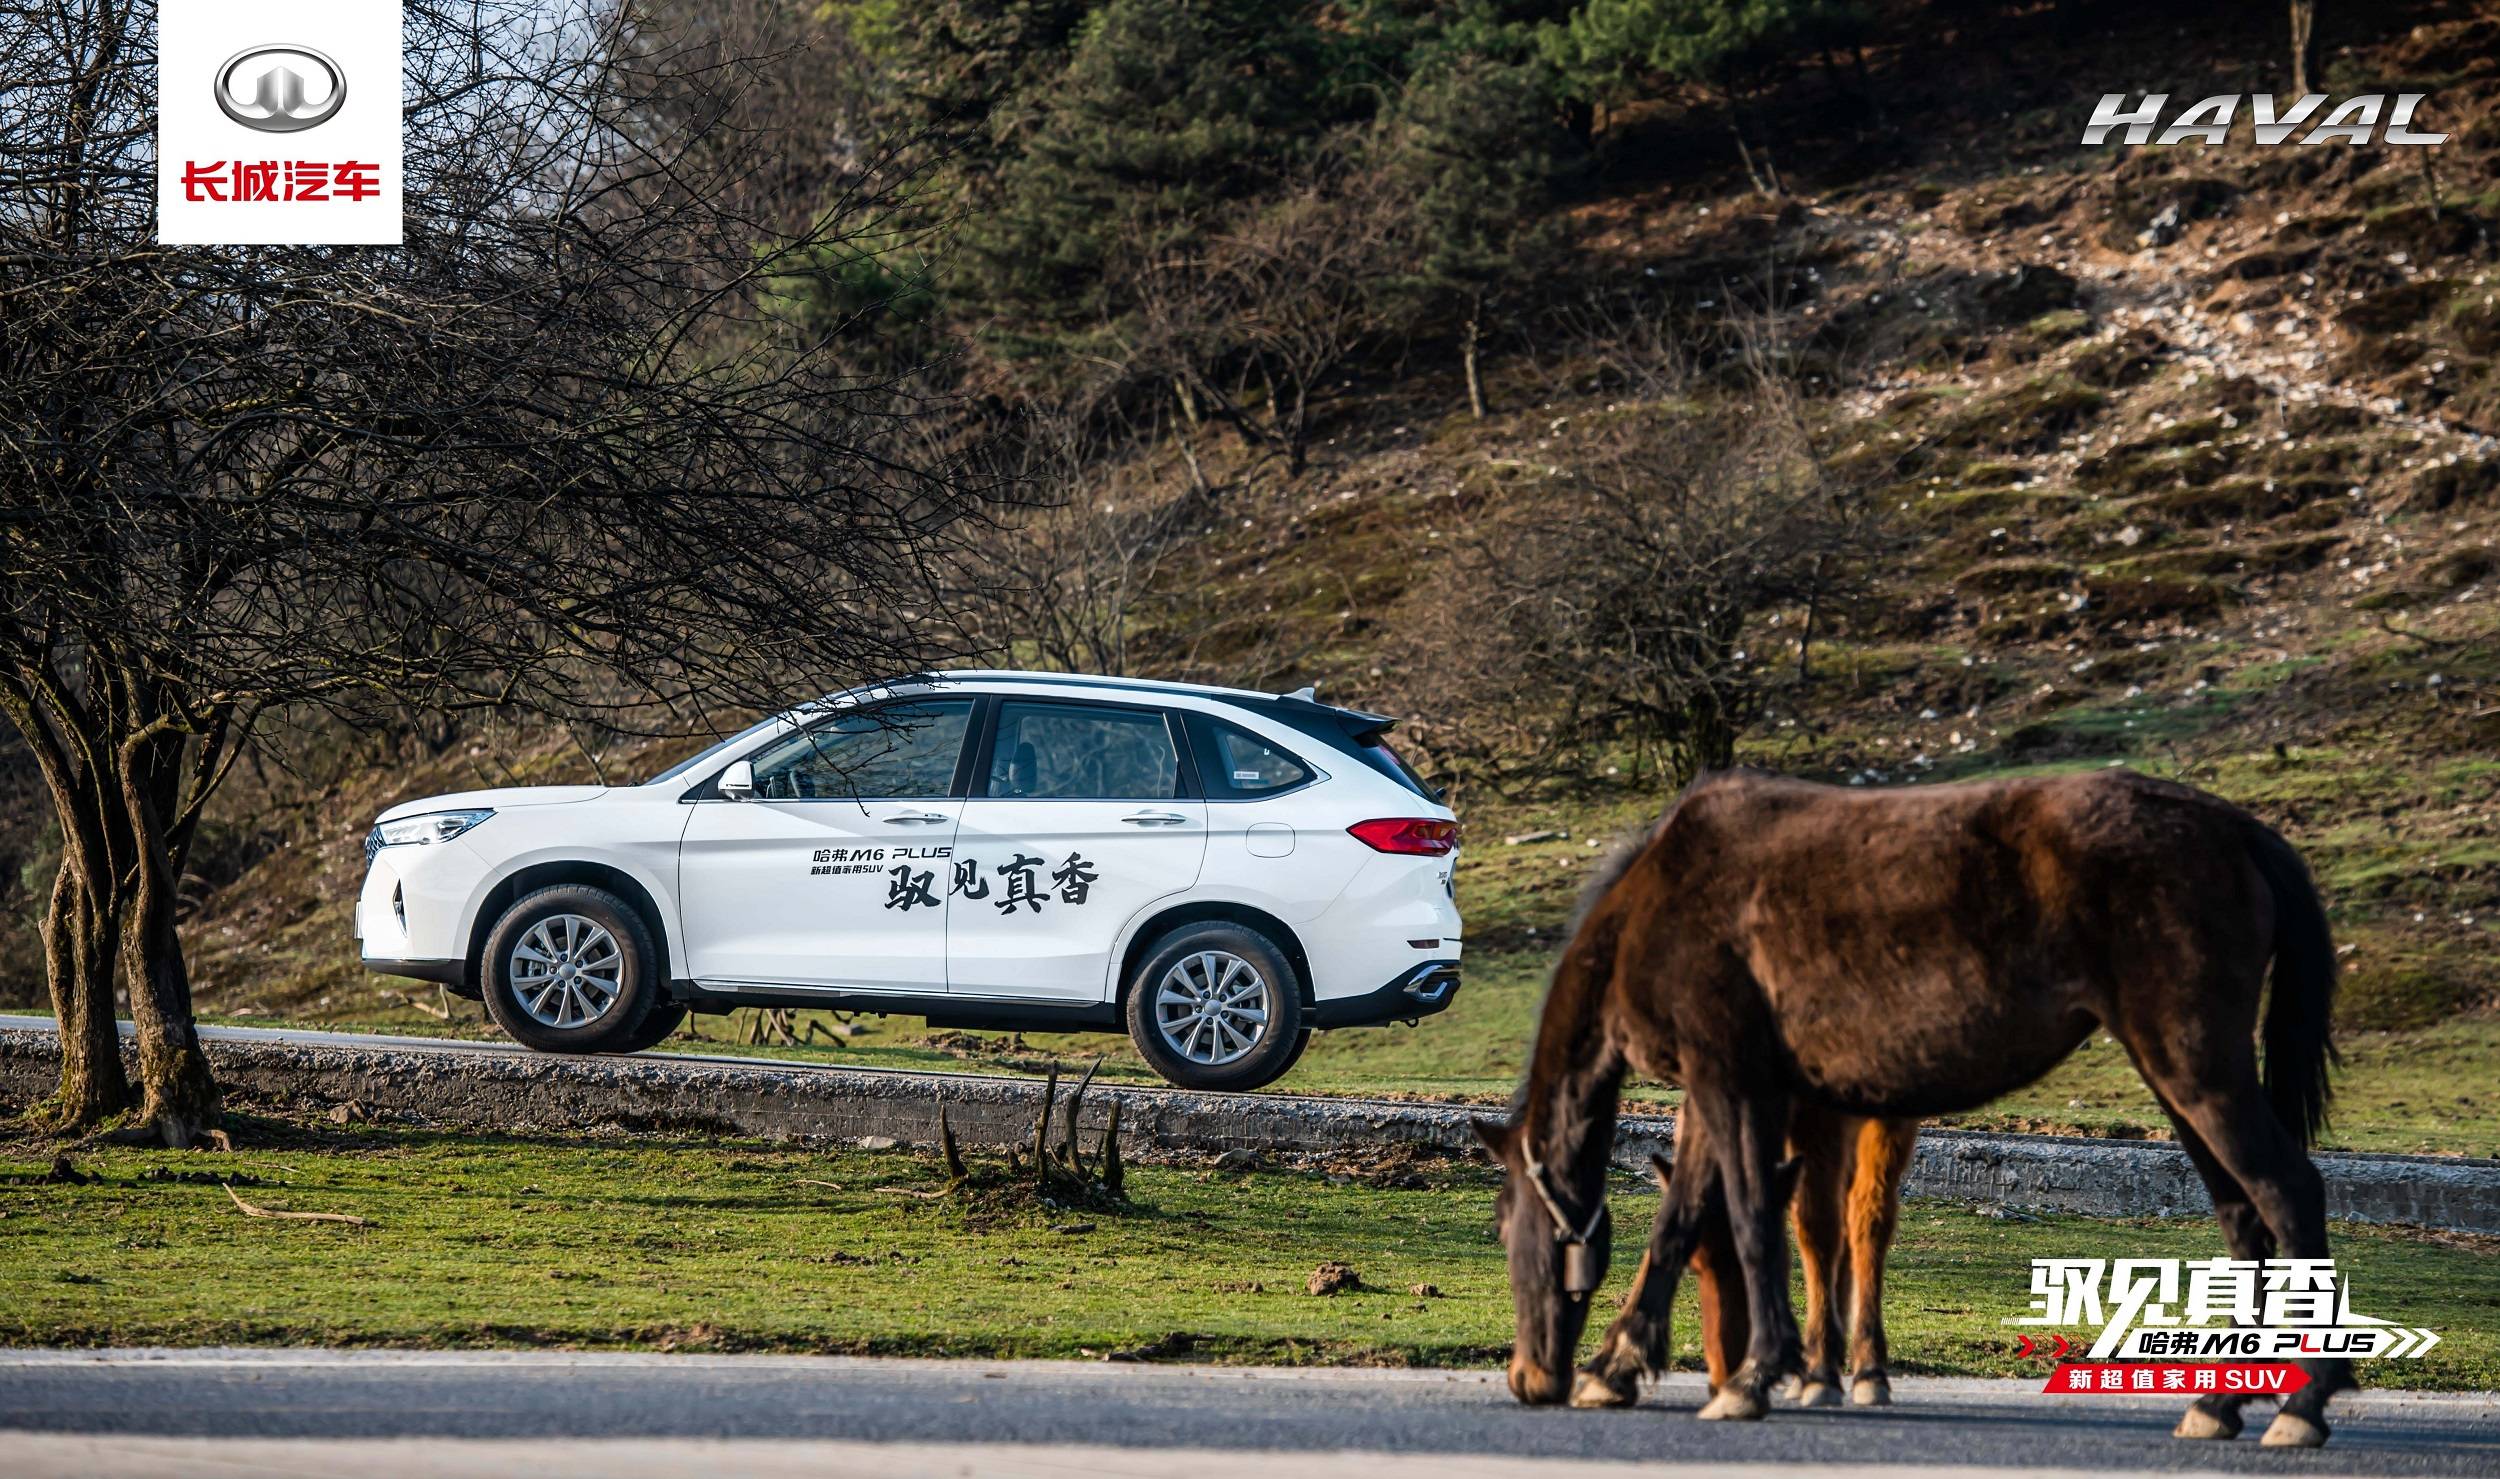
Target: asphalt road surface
{"x":552,"y":1414}
{"x":313,"y":1037}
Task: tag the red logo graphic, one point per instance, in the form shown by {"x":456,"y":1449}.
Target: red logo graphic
{"x":2120,"y":1378}
{"x":275,"y":180}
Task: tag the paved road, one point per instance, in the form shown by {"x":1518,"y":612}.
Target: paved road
{"x":548,"y":1414}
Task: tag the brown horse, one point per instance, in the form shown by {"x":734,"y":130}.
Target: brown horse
{"x":1902,"y":953}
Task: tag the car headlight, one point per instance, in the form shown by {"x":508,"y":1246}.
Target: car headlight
{"x":432,"y":826}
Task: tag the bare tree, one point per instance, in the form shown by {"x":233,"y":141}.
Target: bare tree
{"x":1252,"y":326}
{"x":1305,"y":279}
{"x":1064,"y":583}
{"x":1621,"y":603}
{"x":2304,"y":43}
{"x":552,"y":455}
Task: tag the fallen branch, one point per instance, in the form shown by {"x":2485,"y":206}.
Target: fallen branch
{"x":2388,"y":625}
{"x":248,"y":1210}
{"x":812,"y":1181}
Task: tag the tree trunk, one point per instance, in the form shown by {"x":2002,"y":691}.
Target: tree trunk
{"x":1467,"y":353}
{"x":1298,"y":432}
{"x":1759,"y":170}
{"x":1866,"y":86}
{"x":1814,"y":610}
{"x":2304,"y":43}
{"x":179,"y":1098}
{"x":81,"y":939}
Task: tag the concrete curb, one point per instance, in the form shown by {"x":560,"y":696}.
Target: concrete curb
{"x":487,"y":1086}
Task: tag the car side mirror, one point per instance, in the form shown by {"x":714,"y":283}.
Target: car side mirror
{"x":737,"y":783}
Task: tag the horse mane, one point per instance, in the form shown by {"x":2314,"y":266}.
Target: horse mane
{"x":1612,"y":865}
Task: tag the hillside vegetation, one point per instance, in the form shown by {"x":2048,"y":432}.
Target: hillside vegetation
{"x":2177,"y":457}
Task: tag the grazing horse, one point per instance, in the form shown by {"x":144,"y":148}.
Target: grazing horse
{"x":1897,"y":954}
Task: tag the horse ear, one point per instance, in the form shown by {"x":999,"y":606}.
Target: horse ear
{"x":1494,"y":1134}
{"x":1662,"y":1168}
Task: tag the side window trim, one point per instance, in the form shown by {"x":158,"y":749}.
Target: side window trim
{"x":1185,"y":776}
{"x":1202,"y":721}
{"x":710,"y":789}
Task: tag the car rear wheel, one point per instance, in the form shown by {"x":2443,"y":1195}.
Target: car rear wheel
{"x":1217,"y":1006}
{"x":572,"y":969}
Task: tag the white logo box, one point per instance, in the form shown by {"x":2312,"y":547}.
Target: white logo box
{"x":202,"y":152}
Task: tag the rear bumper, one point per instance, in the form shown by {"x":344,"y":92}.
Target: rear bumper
{"x":1416,"y":992}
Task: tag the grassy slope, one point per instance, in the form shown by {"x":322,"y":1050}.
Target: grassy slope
{"x":676,"y":1245}
{"x":2230,"y":517}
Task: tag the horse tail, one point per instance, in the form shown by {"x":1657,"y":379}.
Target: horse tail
{"x":2300,"y":1017}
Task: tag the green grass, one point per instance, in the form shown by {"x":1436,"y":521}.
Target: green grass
{"x":674,"y":1244}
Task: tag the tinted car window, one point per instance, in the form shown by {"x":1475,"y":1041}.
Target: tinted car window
{"x":1233,"y":762}
{"x":902,"y":752}
{"x":1070,"y":752}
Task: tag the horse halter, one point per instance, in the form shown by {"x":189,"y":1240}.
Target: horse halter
{"x":1582,"y":1272}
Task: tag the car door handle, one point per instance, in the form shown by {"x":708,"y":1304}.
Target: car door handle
{"x":917,"y":818}
{"x":1154,"y":819}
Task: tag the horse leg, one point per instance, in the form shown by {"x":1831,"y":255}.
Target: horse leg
{"x":1718,"y":1279}
{"x":1635,"y":1343}
{"x":1822,"y":1142}
{"x":2217,"y":1415}
{"x":1874,"y":1214}
{"x":2239,"y":1127}
{"x":1756,"y":1182}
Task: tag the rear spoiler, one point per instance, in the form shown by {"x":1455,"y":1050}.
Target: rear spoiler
{"x":1356,"y":725}
{"x":1357,"y":730}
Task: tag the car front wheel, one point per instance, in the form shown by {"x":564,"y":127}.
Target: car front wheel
{"x":572,"y":969}
{"x":1217,"y":1006}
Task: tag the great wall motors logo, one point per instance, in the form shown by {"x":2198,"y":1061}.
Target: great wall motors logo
{"x":261,"y":139}
{"x":2168,"y":1325}
{"x":2314,"y":118}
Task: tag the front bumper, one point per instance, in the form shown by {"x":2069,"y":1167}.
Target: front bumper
{"x":1418,"y":992}
{"x":451,"y":973}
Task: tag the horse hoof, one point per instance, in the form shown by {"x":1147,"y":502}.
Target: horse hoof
{"x":1871,"y":1391}
{"x":1734,"y":1404}
{"x":2198,"y":1423}
{"x":1819,"y":1394}
{"x":2291,"y":1430}
{"x":1593,"y":1390}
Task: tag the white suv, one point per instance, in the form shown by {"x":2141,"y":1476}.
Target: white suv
{"x":1218,"y":871}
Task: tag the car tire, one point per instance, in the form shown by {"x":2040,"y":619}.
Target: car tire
{"x":665,"y":1017}
{"x":571,"y":969}
{"x":1253,"y":991}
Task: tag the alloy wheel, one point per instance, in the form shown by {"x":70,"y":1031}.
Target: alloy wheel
{"x":1212,"y":1007}
{"x":567,"y":971}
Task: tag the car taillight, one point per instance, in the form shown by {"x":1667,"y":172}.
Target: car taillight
{"x":1422,"y":836}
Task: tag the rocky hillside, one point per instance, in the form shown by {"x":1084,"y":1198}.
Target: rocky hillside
{"x":2186,"y":457}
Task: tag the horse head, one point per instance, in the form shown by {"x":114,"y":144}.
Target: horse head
{"x":1558,"y":1238}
